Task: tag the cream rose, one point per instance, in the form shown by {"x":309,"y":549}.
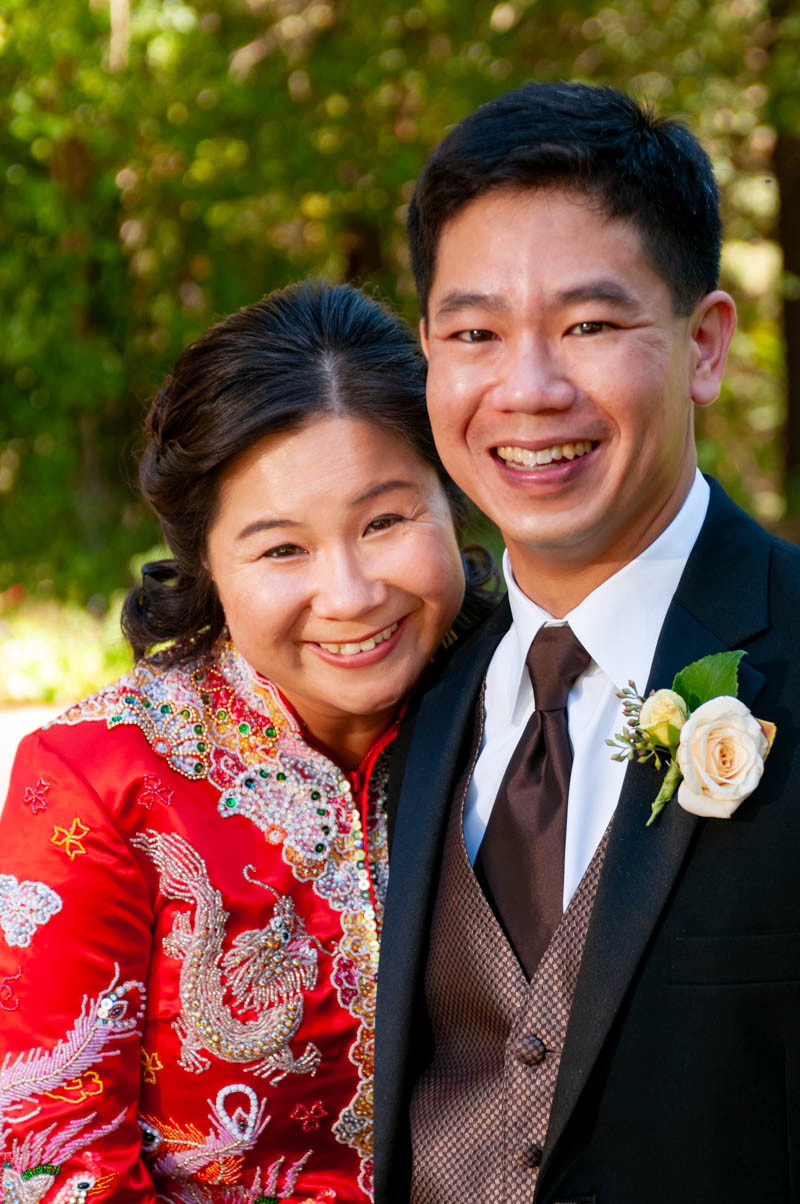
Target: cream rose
{"x":721,"y":756}
{"x":661,"y":711}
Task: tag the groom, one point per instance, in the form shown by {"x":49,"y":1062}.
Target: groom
{"x":573,"y":1006}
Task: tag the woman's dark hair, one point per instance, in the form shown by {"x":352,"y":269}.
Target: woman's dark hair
{"x":597,"y":141}
{"x":303,"y":351}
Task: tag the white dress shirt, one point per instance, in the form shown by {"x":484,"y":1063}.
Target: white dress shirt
{"x":618,"y":624}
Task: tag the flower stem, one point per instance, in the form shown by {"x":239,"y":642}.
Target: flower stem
{"x":668,"y":787}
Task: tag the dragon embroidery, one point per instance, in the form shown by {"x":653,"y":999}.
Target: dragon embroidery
{"x":265,"y":971}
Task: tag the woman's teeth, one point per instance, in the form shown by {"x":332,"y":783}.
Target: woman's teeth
{"x":364,"y":646}
{"x":522,"y":457}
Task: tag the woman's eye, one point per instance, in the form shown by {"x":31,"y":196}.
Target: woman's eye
{"x":383,"y":522}
{"x":474,"y":336}
{"x":283,"y":551}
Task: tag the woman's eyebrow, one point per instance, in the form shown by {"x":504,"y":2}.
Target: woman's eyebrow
{"x":383,"y":487}
{"x":265,"y":524}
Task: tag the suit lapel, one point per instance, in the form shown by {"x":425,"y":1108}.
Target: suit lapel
{"x":443,"y":724}
{"x":720,"y":603}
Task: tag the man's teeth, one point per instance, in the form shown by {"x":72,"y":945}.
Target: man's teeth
{"x":364,"y":646}
{"x":522,"y":456}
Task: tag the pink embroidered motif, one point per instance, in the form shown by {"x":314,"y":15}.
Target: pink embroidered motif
{"x":114,"y":1013}
{"x":154,"y":791}
{"x":35,"y":796}
{"x":8,"y":1000}
{"x":70,"y":839}
{"x":309,"y":1117}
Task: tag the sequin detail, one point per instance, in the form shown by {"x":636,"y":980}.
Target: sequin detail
{"x":70,"y":840}
{"x":24,"y":907}
{"x":36,"y":796}
{"x":266,"y":969}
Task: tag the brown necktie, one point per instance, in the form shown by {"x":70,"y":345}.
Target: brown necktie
{"x":520,"y":862}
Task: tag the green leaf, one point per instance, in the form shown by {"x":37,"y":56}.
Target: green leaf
{"x":670,"y":784}
{"x":712,"y":677}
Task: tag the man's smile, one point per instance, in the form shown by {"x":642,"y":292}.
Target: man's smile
{"x":526,"y":458}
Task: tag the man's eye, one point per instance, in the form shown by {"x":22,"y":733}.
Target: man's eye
{"x":384,"y":521}
{"x":283,"y":551}
{"x":474,"y":336}
{"x":585,"y":328}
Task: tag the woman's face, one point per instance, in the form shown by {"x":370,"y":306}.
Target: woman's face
{"x":337,"y":566}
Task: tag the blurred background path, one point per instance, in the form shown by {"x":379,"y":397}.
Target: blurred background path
{"x":15,"y":723}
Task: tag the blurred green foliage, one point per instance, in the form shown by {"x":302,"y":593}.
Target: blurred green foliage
{"x":167,"y":162}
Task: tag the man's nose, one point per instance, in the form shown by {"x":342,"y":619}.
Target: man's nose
{"x":346,"y":588}
{"x":533,"y":376}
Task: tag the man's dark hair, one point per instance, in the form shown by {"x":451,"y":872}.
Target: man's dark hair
{"x":595,"y":140}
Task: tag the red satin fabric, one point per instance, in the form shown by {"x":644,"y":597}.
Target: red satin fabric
{"x":188,"y":951}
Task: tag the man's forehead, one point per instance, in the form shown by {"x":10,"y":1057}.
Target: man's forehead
{"x":484,"y":249}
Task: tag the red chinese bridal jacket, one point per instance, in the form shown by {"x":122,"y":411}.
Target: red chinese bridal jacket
{"x":190,"y":895}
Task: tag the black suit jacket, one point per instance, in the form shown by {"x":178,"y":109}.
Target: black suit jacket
{"x":680,"y":1077}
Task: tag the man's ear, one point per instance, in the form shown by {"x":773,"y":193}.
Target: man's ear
{"x":423,"y":338}
{"x":712,"y":325}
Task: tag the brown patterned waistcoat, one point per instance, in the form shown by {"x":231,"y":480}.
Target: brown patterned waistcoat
{"x":480,"y":1111}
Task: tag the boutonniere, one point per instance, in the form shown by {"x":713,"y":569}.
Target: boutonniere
{"x":712,"y":745}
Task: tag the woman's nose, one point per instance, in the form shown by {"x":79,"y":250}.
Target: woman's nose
{"x":346,"y":588}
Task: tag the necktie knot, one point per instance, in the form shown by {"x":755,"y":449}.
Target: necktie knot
{"x":555,"y":661}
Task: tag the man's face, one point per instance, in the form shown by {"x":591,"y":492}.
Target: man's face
{"x":560,"y":382}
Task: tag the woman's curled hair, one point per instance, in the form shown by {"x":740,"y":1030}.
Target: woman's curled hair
{"x":308,"y":350}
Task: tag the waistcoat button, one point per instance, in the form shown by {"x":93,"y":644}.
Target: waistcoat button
{"x":531,"y":1051}
{"x":529,"y":1156}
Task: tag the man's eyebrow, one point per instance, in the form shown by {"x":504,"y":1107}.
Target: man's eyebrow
{"x":596,"y":290}
{"x":454,"y":302}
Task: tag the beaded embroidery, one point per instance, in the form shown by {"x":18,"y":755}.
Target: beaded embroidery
{"x":35,"y":796}
{"x":181,"y":1151}
{"x":272,"y":1189}
{"x":35,"y":1162}
{"x":24,"y":907}
{"x":265,"y":772}
{"x":265,"y":969}
{"x":115,"y":1013}
{"x":84,"y":1087}
{"x":154,"y":791}
{"x":309,"y":1117}
{"x":70,"y":840}
{"x":8,"y":1000}
{"x":151,"y":1064}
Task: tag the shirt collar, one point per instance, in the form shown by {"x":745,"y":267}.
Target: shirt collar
{"x":619,"y":622}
